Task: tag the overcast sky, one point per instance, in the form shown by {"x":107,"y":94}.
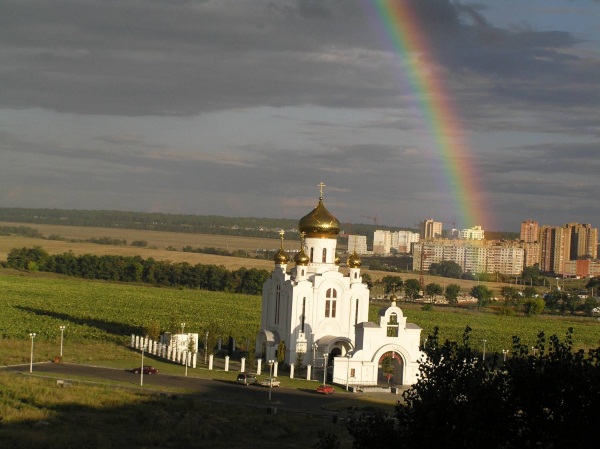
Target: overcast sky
{"x":241,"y":107}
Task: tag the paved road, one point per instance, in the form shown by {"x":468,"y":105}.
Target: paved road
{"x":289,"y":399}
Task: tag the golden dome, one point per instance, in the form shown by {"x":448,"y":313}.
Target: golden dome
{"x":301,"y":258}
{"x":354,"y":261}
{"x":319,"y":223}
{"x":280,"y":257}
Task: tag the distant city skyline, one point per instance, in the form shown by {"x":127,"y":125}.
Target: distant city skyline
{"x":241,"y":108}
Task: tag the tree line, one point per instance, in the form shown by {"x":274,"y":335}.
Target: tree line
{"x":139,"y":270}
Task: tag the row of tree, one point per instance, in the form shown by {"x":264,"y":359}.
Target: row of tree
{"x":136,"y":269}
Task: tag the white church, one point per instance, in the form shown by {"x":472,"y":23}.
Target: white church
{"x":322,"y":312}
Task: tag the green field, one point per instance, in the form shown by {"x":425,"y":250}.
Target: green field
{"x":95,"y":312}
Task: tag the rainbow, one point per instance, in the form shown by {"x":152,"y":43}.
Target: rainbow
{"x":403,"y":31}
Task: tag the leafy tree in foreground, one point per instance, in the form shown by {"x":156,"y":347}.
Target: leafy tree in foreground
{"x":545,"y":399}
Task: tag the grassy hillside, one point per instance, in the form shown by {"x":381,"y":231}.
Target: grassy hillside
{"x":96,"y":311}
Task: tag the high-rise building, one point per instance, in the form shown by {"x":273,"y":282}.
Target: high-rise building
{"x":382,"y":242}
{"x":405,"y":241}
{"x":555,"y":248}
{"x":357,"y":244}
{"x":584,"y":241}
{"x":530,"y":231}
{"x":560,"y":244}
{"x":473,"y":256}
{"x":474,"y":233}
{"x":430,"y":229}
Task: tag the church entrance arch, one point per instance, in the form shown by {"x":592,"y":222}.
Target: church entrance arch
{"x":390,"y":369}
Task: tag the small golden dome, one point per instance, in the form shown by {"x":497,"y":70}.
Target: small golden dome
{"x":301,"y":258}
{"x":393,"y":298}
{"x":281,"y":257}
{"x":319,"y":223}
{"x":354,"y":261}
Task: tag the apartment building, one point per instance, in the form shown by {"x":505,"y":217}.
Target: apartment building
{"x":358,"y":244}
{"x":429,"y":229}
{"x":530,"y":231}
{"x":474,"y":233}
{"x":561,"y":244}
{"x":474,"y":256}
{"x":506,"y":258}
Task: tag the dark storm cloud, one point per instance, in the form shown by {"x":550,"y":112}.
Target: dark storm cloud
{"x":183,"y":58}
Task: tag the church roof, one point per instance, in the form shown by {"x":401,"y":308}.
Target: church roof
{"x":354,"y":261}
{"x":319,"y":223}
{"x":367,"y":324}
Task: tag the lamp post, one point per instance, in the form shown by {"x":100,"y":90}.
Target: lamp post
{"x":205,"y":347}
{"x":62,"y":334}
{"x":483,"y":358}
{"x":534,"y":349}
{"x":182,"y":327}
{"x":347,"y":370}
{"x":325,"y":368}
{"x":271,"y":362}
{"x":504,"y":353}
{"x":32,"y":336}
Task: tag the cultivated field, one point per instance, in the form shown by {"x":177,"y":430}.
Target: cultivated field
{"x":96,"y":311}
{"x":161,"y":240}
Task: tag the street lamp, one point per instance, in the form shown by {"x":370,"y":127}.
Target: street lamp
{"x":347,"y":370}
{"x":205,"y":347}
{"x":32,"y":336}
{"x":271,"y":362}
{"x":504,"y":353}
{"x":483,"y":358}
{"x":534,"y":349}
{"x":325,"y":368}
{"x":62,"y":333}
{"x":182,"y":327}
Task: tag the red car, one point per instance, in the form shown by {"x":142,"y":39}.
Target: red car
{"x":147,"y":370}
{"x":325,"y":389}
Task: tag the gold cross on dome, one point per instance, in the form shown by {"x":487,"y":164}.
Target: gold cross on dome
{"x":321,"y":185}
{"x":281,"y":233}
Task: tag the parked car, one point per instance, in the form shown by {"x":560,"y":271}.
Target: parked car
{"x":270,"y":382}
{"x":246,"y":378}
{"x":325,"y":389}
{"x":147,"y":370}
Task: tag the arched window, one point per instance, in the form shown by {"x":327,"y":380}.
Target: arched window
{"x":277,"y":302}
{"x":392,"y":326}
{"x":312,"y":254}
{"x":356,"y":313}
{"x":324,"y":258}
{"x":330,"y":302}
